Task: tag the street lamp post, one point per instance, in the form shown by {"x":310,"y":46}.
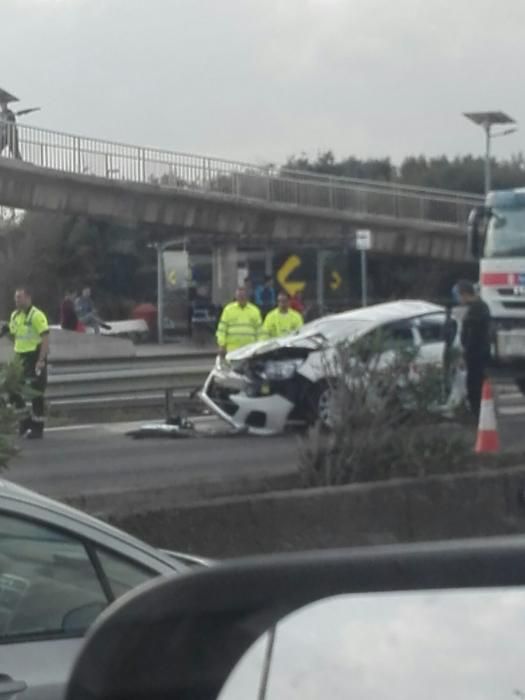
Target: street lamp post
{"x":488,"y":178}
{"x":487,"y":120}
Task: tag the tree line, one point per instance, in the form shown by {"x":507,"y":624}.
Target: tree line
{"x":462,"y":173}
{"x":54,"y":253}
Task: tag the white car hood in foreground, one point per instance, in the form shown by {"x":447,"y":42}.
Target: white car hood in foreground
{"x":324,"y":331}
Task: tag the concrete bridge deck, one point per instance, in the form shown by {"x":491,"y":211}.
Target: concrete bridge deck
{"x":171,"y":193}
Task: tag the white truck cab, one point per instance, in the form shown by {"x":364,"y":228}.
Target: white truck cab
{"x":497,"y":239}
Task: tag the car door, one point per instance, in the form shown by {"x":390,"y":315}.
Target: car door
{"x":395,"y":338}
{"x":53,"y":585}
{"x":430,"y":330}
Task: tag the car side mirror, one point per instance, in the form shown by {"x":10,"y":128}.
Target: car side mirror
{"x":79,"y":619}
{"x":476,"y":231}
{"x":182,"y":637}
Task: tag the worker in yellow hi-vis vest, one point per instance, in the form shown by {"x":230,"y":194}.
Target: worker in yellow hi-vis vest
{"x":240,"y":323}
{"x":29,"y":329}
{"x":282,"y":320}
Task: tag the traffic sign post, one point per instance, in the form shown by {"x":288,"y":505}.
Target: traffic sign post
{"x":363,"y":243}
{"x":364,"y":279}
{"x":160,"y":248}
{"x":160,"y":293}
{"x":321,"y":257}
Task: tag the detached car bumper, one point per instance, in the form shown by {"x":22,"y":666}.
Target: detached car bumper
{"x":246,"y":405}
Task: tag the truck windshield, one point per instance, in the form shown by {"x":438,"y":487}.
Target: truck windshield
{"x":506,"y":233}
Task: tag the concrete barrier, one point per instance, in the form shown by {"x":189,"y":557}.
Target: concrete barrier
{"x":67,"y":346}
{"x":405,"y":510}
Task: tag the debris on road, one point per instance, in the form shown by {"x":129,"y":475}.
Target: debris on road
{"x":176,"y":427}
{"x":180,"y":427}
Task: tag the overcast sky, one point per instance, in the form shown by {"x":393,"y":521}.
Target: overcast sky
{"x":260,"y":80}
{"x":458,"y":645}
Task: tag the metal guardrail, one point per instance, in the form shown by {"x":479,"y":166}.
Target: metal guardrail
{"x":182,"y":171}
{"x":88,"y":384}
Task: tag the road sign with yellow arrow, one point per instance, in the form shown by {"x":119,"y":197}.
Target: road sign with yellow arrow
{"x":335,"y":281}
{"x":292,"y":263}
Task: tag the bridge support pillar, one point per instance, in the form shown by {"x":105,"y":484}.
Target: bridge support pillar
{"x":224,"y":280}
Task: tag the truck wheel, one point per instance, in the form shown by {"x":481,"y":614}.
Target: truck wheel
{"x":520,"y":383}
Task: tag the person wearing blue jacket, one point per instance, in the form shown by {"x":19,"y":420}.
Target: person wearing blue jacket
{"x":265,"y":297}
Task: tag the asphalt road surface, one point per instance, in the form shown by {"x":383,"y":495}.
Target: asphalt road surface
{"x":510,"y":411}
{"x":100,"y":468}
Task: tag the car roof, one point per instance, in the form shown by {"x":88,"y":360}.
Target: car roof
{"x":14,"y":492}
{"x":358,"y":322}
{"x":388,"y":312}
{"x":370,"y":317}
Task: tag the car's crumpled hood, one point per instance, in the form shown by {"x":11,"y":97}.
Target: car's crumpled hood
{"x":309,"y":341}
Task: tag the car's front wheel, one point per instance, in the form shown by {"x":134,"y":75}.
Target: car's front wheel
{"x":324,"y":413}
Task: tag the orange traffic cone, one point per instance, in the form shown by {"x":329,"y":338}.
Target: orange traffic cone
{"x":488,"y":438}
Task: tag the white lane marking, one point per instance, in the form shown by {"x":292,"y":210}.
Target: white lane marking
{"x":64,"y":428}
{"x":511,"y":410}
{"x":511,"y":396}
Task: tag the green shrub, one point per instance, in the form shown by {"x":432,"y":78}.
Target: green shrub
{"x":11,"y":381}
{"x":383,"y":420}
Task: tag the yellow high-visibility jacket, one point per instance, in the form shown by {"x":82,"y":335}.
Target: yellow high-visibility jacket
{"x":276,"y":323}
{"x":238,"y":326}
{"x":27,"y":329}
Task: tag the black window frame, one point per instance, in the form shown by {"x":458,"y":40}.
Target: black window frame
{"x":385,"y":334}
{"x":420,"y":321}
{"x":90,"y":546}
{"x":118,"y":555}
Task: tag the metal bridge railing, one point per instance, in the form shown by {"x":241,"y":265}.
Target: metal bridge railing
{"x":117,"y":161}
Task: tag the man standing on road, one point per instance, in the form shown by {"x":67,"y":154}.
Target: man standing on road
{"x":282,"y":320}
{"x":475,"y":339}
{"x":239,"y":325}
{"x":29,"y":329}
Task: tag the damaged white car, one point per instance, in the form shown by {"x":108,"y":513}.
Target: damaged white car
{"x":266,"y":385}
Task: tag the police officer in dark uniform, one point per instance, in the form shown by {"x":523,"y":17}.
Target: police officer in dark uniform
{"x":475,"y":339}
{"x":450,"y":330}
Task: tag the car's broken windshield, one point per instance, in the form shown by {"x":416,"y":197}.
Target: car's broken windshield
{"x":335,"y":328}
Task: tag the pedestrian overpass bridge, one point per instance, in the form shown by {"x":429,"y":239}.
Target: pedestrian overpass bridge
{"x":199,"y":196}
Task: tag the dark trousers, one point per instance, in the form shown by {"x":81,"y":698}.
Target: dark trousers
{"x":475,"y":378}
{"x":9,"y":138}
{"x":37,"y":382}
